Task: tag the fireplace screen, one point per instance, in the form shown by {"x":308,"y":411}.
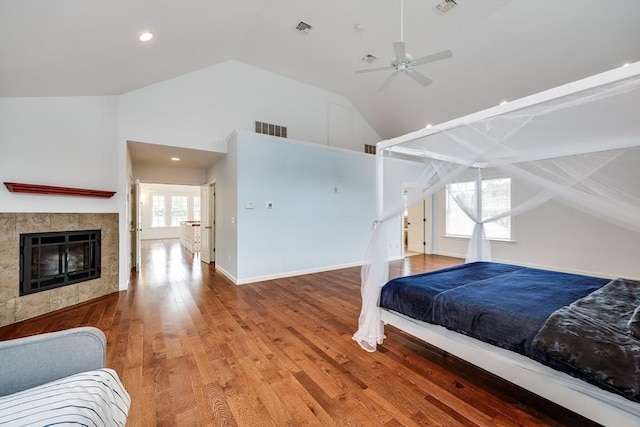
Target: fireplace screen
{"x":51,"y":260}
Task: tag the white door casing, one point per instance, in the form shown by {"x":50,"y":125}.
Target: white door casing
{"x":205,"y":228}
{"x":136,"y":218}
{"x":419,"y":227}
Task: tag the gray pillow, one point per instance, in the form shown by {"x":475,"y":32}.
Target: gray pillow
{"x":634,"y":323}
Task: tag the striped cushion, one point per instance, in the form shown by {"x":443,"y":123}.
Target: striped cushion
{"x":93,"y":398}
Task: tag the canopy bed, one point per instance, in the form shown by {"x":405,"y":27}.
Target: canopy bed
{"x":578,"y":143}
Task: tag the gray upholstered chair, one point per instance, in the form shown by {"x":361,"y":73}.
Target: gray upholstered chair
{"x":39,"y":359}
{"x":60,"y":378}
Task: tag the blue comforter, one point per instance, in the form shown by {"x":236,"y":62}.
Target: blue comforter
{"x":504,"y":305}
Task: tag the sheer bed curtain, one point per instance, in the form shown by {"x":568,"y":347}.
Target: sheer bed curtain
{"x":569,"y":148}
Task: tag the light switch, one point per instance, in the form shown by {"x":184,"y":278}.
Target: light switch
{"x":248,"y":205}
{"x":269,"y":205}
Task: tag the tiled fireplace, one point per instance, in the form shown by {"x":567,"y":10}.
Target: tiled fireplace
{"x":15,"y":308}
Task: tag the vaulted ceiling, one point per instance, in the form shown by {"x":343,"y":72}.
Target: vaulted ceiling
{"x":502,"y":49}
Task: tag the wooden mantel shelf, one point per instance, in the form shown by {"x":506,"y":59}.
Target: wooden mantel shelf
{"x":16,"y":187}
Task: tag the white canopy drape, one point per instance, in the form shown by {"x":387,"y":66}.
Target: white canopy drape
{"x":578,"y":143}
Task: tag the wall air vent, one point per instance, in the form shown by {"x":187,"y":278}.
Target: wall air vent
{"x":303,"y":27}
{"x":369,"y":148}
{"x":270,"y":129}
{"x":368,"y":58}
{"x":446,"y":6}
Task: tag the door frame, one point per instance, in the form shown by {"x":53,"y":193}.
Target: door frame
{"x":135,"y":226}
{"x":208,"y":228}
{"x":427,"y":227}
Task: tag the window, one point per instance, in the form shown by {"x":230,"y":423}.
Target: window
{"x":496,"y":198}
{"x":178,"y":210}
{"x":170,"y":209}
{"x":157,"y":211}
{"x":196,"y":208}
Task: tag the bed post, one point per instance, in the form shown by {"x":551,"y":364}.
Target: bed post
{"x":480,"y":239}
{"x":379,"y":184}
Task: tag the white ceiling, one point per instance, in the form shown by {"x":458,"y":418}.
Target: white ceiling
{"x":161,"y":155}
{"x":502,"y":49}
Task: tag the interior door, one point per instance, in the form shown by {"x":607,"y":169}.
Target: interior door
{"x":415,"y":228}
{"x":136,"y":226}
{"x":205,"y":228}
{"x":212,"y":222}
{"x":419,"y":227}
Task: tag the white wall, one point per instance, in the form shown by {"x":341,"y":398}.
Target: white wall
{"x":225,"y":175}
{"x":169,"y":175}
{"x":311,"y":227}
{"x":62,"y":141}
{"x":200,"y":109}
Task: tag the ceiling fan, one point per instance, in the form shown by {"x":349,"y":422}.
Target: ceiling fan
{"x":404,"y":62}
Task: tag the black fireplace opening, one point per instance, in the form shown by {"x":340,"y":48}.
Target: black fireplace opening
{"x":52,"y":260}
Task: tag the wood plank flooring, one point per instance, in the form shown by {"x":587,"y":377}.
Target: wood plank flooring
{"x":195,"y":350}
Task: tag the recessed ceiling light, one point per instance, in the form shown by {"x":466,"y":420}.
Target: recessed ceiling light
{"x":504,"y":102}
{"x":358,"y":27}
{"x":428,"y":125}
{"x":145,"y":37}
{"x":175,"y":159}
{"x":626,"y":64}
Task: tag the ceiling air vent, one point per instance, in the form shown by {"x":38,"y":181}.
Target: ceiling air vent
{"x":446,"y":6}
{"x":303,"y":27}
{"x":368,"y":58}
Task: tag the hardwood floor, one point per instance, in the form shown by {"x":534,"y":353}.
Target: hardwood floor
{"x":195,"y":350}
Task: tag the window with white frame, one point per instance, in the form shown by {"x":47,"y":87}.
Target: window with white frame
{"x":496,"y":199}
{"x":196,"y":208}
{"x":157,"y":211}
{"x":168,"y":210}
{"x":179,"y":210}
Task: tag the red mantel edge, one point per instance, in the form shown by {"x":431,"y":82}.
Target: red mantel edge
{"x":16,"y":187}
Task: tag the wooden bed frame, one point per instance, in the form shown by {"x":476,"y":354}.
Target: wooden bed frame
{"x":578,"y":396}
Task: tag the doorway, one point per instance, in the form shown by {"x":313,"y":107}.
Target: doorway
{"x":417,"y":230}
{"x":165,"y":211}
{"x":208,"y":223}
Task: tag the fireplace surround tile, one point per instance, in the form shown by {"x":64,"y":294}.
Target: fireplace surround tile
{"x":64,"y":297}
{"x":65,"y":222}
{"x":7,"y":227}
{"x":15,"y":308}
{"x":33,"y":223}
{"x":29,"y":306}
{"x":7,"y":312}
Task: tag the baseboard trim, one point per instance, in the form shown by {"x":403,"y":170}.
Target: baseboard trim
{"x":297,"y":273}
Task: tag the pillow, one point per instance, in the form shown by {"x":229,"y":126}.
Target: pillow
{"x":95,"y":398}
{"x":634,"y":323}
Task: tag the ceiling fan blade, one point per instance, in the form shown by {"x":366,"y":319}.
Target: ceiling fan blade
{"x":419,"y":77}
{"x":389,"y":80}
{"x":431,"y":58}
{"x":400,"y":50}
{"x":367,"y":70}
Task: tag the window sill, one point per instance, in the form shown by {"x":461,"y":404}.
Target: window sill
{"x":452,"y":236}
